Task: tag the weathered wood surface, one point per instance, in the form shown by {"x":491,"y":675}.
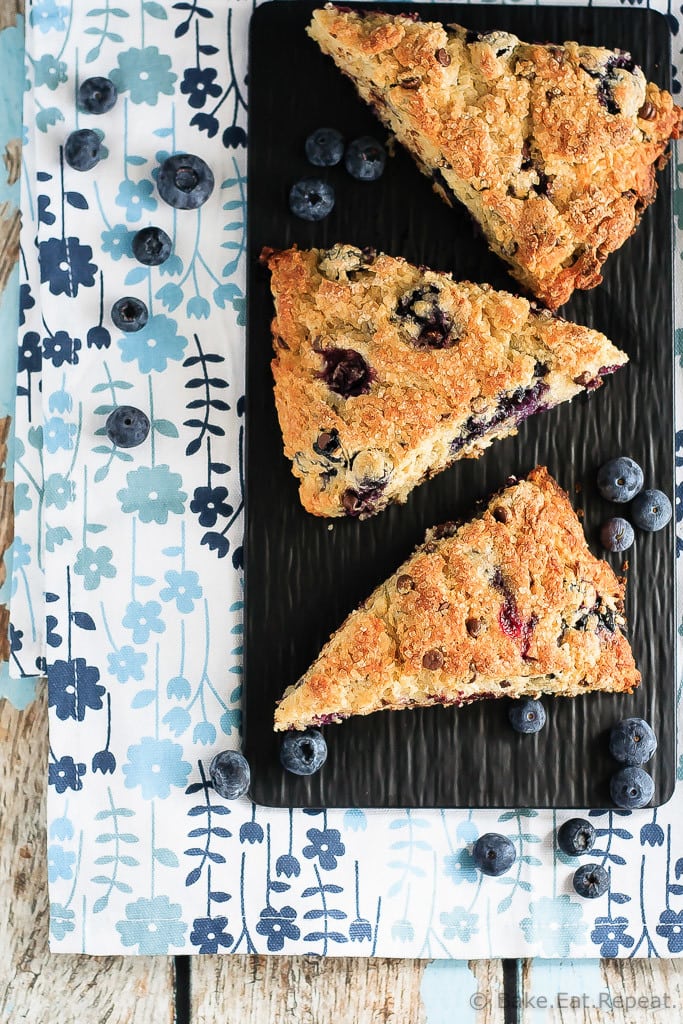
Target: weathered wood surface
{"x":309,"y":990}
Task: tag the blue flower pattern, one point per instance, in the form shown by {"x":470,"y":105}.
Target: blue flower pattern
{"x":155,"y":767}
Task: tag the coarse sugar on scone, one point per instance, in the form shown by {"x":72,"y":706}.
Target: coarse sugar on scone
{"x":386,"y":373}
{"x":509,"y":604}
{"x":552,"y":148}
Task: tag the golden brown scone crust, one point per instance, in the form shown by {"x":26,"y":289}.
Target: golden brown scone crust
{"x":438,"y":370}
{"x":511,"y":603}
{"x":553,"y":149}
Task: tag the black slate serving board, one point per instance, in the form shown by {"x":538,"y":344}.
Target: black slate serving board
{"x":303,"y":577}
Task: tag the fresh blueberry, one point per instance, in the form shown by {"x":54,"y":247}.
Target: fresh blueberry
{"x":651,"y":510}
{"x":129,"y":314}
{"x":311,"y":199}
{"x":82,"y":149}
{"x":303,"y":753}
{"x":365,"y":159}
{"x":632,"y":742}
{"x":185,"y":181}
{"x":127,"y":427}
{"x":620,"y":479}
{"x":493,"y":854}
{"x":230,"y":774}
{"x":631,"y":787}
{"x":97,"y":95}
{"x":527,"y":716}
{"x":346,"y":372}
{"x":591,"y":881}
{"x":575,"y":836}
{"x":151,"y":246}
{"x":325,"y":147}
{"x":617,"y":534}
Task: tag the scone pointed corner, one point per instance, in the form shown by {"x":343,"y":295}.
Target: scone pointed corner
{"x":511,"y":603}
{"x":552,"y":148}
{"x":386,"y":373}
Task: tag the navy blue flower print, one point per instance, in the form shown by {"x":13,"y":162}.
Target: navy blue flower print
{"x":288,"y":866}
{"x":326,"y":845}
{"x":198,"y":83}
{"x":15,"y":639}
{"x":72,"y":688}
{"x":610,"y":934}
{"x":671,"y":928}
{"x":60,"y":348}
{"x":104,"y":761}
{"x":205,"y":123}
{"x":251,"y":832}
{"x":66,"y":265}
{"x":65,"y":774}
{"x":26,"y":301}
{"x":360,"y":929}
{"x":209,"y":933}
{"x":234,"y":136}
{"x":652,"y":834}
{"x":210,"y":503}
{"x":278,"y":926}
{"x":29,"y":353}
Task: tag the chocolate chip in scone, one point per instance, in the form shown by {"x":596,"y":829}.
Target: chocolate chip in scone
{"x":474,"y":626}
{"x":361,"y":502}
{"x":405,"y":583}
{"x":443,"y":57}
{"x":648,"y":111}
{"x":432,"y":660}
{"x":448,"y":529}
{"x":502,"y":514}
{"x":346,"y":372}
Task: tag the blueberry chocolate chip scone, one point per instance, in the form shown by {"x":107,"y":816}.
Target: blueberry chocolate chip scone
{"x":552,"y":149}
{"x":509,"y":604}
{"x":385,"y":374}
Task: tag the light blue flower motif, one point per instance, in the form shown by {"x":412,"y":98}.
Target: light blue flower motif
{"x":118,"y":241}
{"x":21,"y":554}
{"x":198,"y":307}
{"x":61,"y":828}
{"x":155,"y":766}
{"x":460,"y":867}
{"x":58,"y":434}
{"x":205,"y":733}
{"x":127,"y":663}
{"x":61,"y":921}
{"x":153,"y":493}
{"x":60,"y":401}
{"x":460,"y":922}
{"x":467,"y":832}
{"x":179,"y":687}
{"x":134,"y":197}
{"x":143,"y":619}
{"x":93,"y":564}
{"x":22,"y":501}
{"x":355,"y":819}
{"x":555,"y":924}
{"x":171,"y":295}
{"x":49,"y":71}
{"x":58,"y":491}
{"x":60,"y":863}
{"x":144,"y":74}
{"x":153,"y":345}
{"x":183,"y":588}
{"x":48,"y":16}
{"x":153,"y":926}
{"x":230,"y":720}
{"x":402,"y":930}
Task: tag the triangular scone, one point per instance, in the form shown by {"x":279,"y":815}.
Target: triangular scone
{"x":552,"y":149}
{"x":511,"y":603}
{"x":385,"y":373}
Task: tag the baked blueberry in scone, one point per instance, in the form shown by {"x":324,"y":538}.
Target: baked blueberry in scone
{"x":552,"y":149}
{"x":509,"y":604}
{"x":386,"y":373}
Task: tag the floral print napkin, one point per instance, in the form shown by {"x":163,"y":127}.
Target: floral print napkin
{"x":137,"y":557}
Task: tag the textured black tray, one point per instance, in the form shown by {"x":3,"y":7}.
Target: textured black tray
{"x":303,"y":577}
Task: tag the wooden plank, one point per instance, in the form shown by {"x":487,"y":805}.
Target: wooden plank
{"x":310,"y":990}
{"x":34,"y":985}
{"x":601,"y":991}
